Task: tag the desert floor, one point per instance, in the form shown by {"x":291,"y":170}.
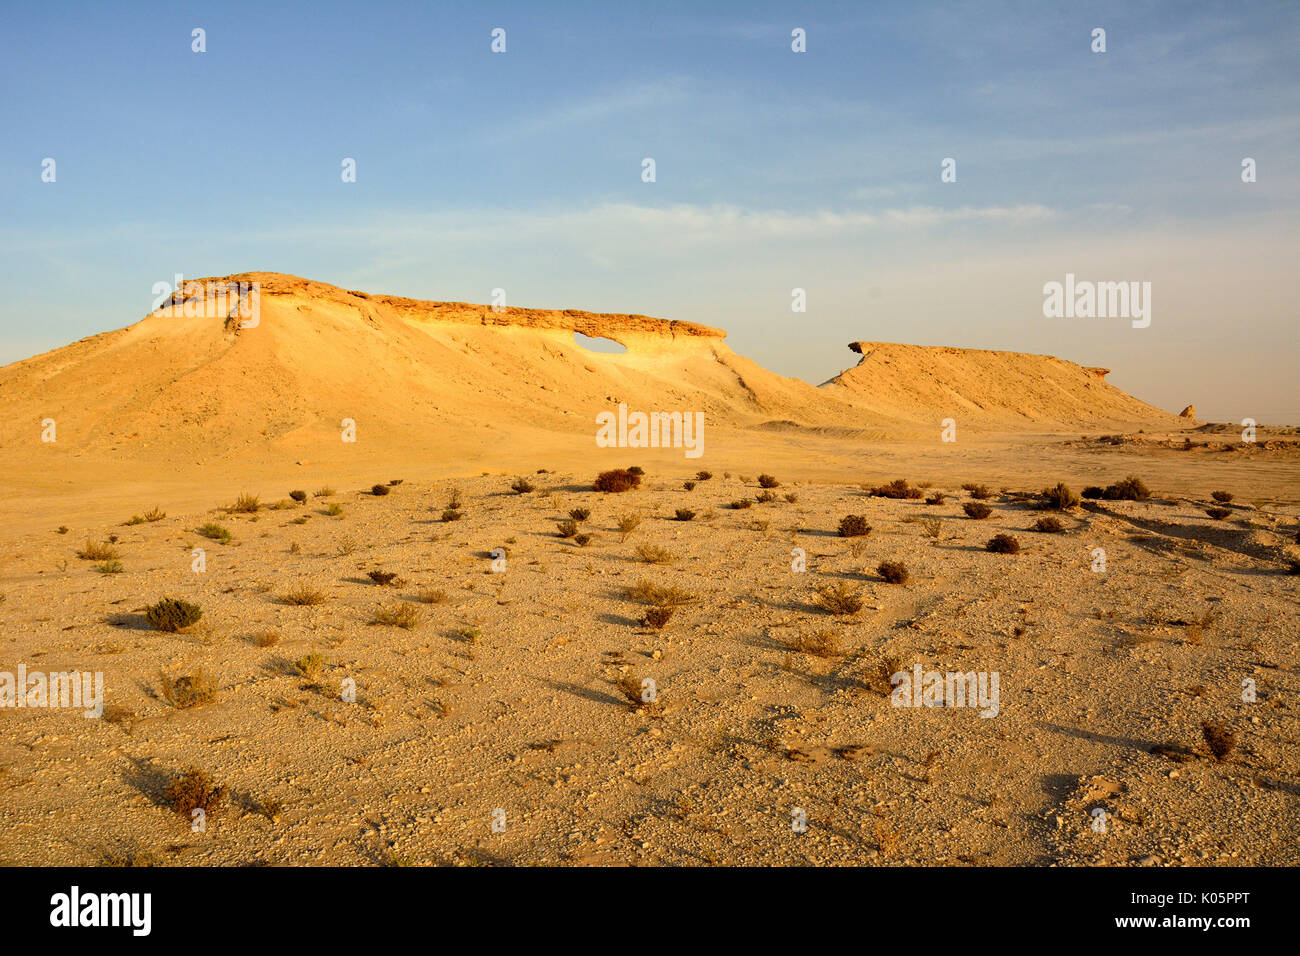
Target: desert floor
{"x":503,"y":702}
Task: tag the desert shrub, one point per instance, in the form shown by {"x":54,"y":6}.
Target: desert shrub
{"x":658,"y":616}
{"x":931,"y":527}
{"x":188,"y":690}
{"x":246,"y":504}
{"x":1218,"y":514}
{"x":98,"y":551}
{"x":1059,"y":497}
{"x":451,"y":514}
{"x":396,"y":481}
{"x":704,"y":475}
{"x":568,"y":528}
{"x":854,"y":526}
{"x":898,"y":488}
{"x":838,"y":598}
{"x":1094,"y":492}
{"x":767,"y":481}
{"x":110,"y":567}
{"x":663,"y":596}
{"x":172,"y":614}
{"x":1222,"y":497}
{"x":683,"y":514}
{"x":688,"y":485}
{"x":626,"y":524}
{"x":334,"y":509}
{"x":405,"y":616}
{"x":134,"y":520}
{"x":454,"y":501}
{"x":653,"y":554}
{"x":791,"y":497}
{"x":303,"y":595}
{"x":382,"y":577}
{"x":617,"y":480}
{"x":380,"y":490}
{"x":1049,"y":525}
{"x":431,"y":596}
{"x":937,"y":498}
{"x":977,"y":510}
{"x":194,"y":790}
{"x":740,"y":504}
{"x":765,"y":497}
{"x":580,"y":514}
{"x":633,"y":693}
{"x":1219,"y":738}
{"x":310,"y":665}
{"x":266,"y":638}
{"x":215,"y":532}
{"x":298,"y":495}
{"x":636,"y":470}
{"x":823,"y":642}
{"x":582,"y":540}
{"x":895,"y":572}
{"x":978,"y":492}
{"x":1130,"y":489}
{"x":522,"y":486}
{"x":326,"y":492}
{"x":1002,"y":544}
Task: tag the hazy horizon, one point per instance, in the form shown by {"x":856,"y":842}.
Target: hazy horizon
{"x":775,"y":170}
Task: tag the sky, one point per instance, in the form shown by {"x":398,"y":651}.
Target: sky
{"x":774,"y":170}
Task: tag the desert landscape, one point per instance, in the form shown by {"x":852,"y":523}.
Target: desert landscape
{"x":359,"y":597}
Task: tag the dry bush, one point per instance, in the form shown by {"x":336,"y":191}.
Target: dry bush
{"x":1002,"y":544}
{"x":431,"y":596}
{"x":1130,"y":489}
{"x":1219,"y":738}
{"x":451,"y":514}
{"x":683,"y":514}
{"x":188,"y":690}
{"x":172,"y":614}
{"x":895,"y":572}
{"x":382,"y":578}
{"x":193,"y":790}
{"x":740,"y":504}
{"x":634,"y":693}
{"x":688,"y":485}
{"x":657,"y":617}
{"x":937,"y":498}
{"x":898,"y":488}
{"x":303,"y":595}
{"x":626,"y":524}
{"x":1222,"y":497}
{"x":977,"y":510}
{"x":838,"y":598}
{"x":1094,"y":492}
{"x":266,"y":638}
{"x":1049,"y":525}
{"x":703,"y":475}
{"x":617,"y":480}
{"x":246,"y":504}
{"x":310,"y":665}
{"x":580,"y":514}
{"x":405,"y":616}
{"x":767,"y":481}
{"x":978,"y":492}
{"x":298,"y":496}
{"x":110,"y":567}
{"x":931,"y":527}
{"x":334,"y":509}
{"x":582,"y":540}
{"x":98,"y":551}
{"x":653,"y":554}
{"x":765,"y":497}
{"x":454,"y":500}
{"x":649,"y":593}
{"x":823,"y":642}
{"x":854,"y":526}
{"x":791,"y":497}
{"x":326,"y":492}
{"x":568,"y":528}
{"x":1059,"y":497}
{"x":1218,"y":514}
{"x":522,"y":486}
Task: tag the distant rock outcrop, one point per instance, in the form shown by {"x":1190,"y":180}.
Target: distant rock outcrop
{"x":1188,"y":412}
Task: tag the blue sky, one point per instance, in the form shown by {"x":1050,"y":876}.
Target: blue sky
{"x":774,"y":170}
